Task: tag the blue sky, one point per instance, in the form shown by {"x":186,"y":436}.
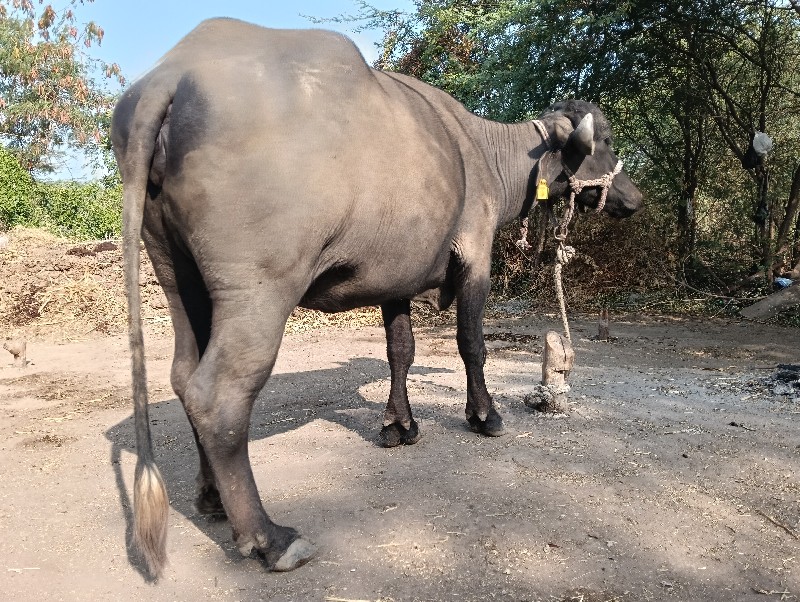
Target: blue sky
{"x":138,"y":32}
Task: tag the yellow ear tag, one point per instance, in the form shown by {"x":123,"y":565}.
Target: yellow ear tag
{"x":542,"y":191}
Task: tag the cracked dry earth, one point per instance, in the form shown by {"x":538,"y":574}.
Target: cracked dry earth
{"x":675,"y":476}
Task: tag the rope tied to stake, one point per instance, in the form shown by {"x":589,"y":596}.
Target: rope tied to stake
{"x":564,"y":255}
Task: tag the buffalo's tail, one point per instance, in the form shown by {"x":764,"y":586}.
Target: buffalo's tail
{"x":135,"y":128}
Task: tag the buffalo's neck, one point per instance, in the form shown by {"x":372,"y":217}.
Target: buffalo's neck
{"x":511,"y":152}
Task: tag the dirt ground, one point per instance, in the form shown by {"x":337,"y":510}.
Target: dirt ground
{"x":675,"y":475}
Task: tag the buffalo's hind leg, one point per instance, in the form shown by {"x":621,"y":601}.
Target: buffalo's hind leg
{"x":190,"y":309}
{"x":399,"y":425}
{"x":191,"y":319}
{"x":246,"y":333}
{"x":472,"y":293}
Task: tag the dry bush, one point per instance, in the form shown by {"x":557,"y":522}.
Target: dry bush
{"x":54,"y":288}
{"x":615,"y":258}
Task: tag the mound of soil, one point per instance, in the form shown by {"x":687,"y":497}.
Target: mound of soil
{"x":51,"y":288}
{"x":56,"y":289}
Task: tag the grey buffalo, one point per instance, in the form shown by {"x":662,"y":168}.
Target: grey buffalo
{"x":267,"y":169}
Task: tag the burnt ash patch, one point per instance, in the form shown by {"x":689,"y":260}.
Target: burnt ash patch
{"x":786,"y":381}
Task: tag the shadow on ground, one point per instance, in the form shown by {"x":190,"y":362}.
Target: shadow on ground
{"x":288,"y":402}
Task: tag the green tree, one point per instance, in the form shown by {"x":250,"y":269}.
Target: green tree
{"x":52,"y":94}
{"x":687,"y":84}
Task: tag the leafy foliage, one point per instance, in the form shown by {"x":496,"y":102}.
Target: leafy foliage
{"x":69,"y":209}
{"x":16,"y":193}
{"x":50,"y":96}
{"x":81,"y":211}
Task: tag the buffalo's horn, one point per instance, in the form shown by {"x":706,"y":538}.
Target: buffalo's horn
{"x":583,"y":135}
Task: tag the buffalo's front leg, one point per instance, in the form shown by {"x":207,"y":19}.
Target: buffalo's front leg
{"x":481,"y":413}
{"x":398,"y":424}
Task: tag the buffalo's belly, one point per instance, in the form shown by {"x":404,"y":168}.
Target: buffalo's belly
{"x":348,"y":286}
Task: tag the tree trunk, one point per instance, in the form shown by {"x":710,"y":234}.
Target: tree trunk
{"x":774,"y":304}
{"x":693,"y":132}
{"x":794,"y":273}
{"x":686,"y":221}
{"x":792,"y":206}
{"x":763,"y":217}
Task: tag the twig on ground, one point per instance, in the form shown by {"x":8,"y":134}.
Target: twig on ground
{"x":389,"y":545}
{"x":54,"y":322}
{"x":522,"y":465}
{"x":784,"y":594}
{"x":778,"y":524}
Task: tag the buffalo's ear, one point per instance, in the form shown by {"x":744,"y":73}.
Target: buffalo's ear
{"x":582,"y":138}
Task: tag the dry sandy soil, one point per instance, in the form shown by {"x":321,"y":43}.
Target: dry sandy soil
{"x":675,"y":475}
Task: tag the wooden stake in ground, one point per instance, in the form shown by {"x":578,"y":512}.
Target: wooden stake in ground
{"x":17,"y":349}
{"x":557,"y":362}
{"x":603,"y":333}
{"x":559,"y":356}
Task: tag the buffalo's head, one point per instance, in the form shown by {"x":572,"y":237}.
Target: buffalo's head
{"x":581,"y":153}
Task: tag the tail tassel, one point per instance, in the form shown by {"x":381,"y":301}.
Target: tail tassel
{"x":150,"y":512}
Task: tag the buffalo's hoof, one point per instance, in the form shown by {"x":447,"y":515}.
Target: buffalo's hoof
{"x":297,"y":554}
{"x":208,"y":503}
{"x":491,"y":427}
{"x":396,"y":434}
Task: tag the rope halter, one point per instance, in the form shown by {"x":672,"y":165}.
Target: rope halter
{"x":576,"y":185}
{"x":604,"y":181}
{"x":540,"y":127}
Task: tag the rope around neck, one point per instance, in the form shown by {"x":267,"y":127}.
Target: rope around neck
{"x":564,"y":255}
{"x":523,"y":244}
{"x":540,"y":127}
